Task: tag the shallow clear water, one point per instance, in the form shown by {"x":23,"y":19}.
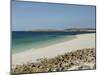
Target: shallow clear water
{"x":22,"y":41}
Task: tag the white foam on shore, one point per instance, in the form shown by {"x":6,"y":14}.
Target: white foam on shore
{"x":82,"y":41}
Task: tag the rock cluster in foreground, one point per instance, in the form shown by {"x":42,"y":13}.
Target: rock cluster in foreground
{"x":82,"y":59}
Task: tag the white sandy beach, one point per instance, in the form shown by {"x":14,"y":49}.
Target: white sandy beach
{"x":82,"y":41}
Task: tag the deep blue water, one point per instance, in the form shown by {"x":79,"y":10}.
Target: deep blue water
{"x":22,"y":40}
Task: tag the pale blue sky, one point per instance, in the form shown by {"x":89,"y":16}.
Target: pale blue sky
{"x":31,"y":15}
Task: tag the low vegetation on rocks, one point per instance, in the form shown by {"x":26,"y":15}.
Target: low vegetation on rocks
{"x":82,"y":59}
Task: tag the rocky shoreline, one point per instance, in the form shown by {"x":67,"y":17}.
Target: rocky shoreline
{"x":83,"y":59}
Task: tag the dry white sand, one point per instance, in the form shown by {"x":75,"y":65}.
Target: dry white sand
{"x":82,"y":41}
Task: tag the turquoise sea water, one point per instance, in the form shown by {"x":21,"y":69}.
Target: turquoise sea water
{"x":22,"y":41}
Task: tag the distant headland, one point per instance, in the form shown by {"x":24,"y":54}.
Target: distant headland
{"x":65,"y":30}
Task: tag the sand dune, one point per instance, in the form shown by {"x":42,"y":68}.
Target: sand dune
{"x":82,"y":41}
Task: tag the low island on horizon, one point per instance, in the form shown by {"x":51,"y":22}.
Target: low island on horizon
{"x":64,"y":30}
